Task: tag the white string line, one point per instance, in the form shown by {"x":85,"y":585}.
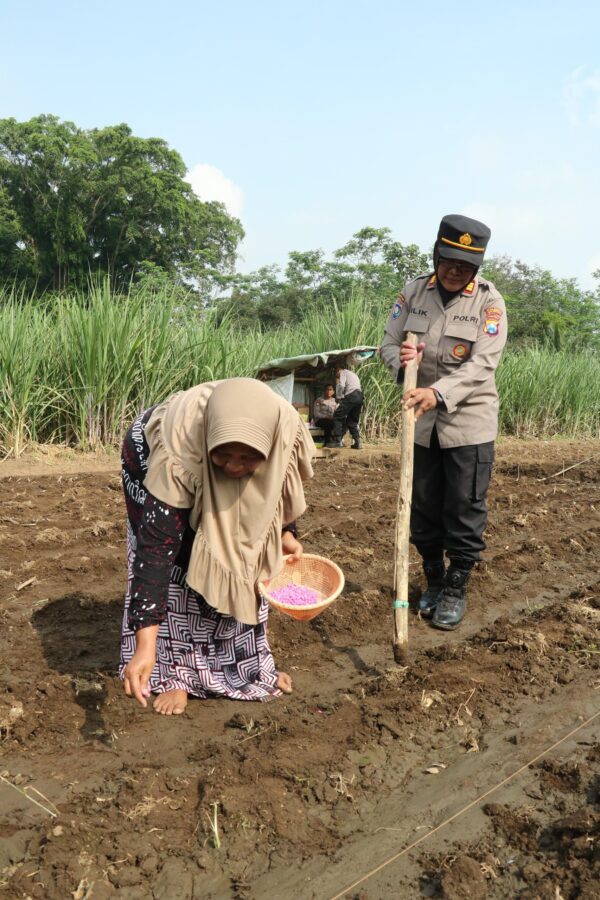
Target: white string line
{"x":464,"y":809}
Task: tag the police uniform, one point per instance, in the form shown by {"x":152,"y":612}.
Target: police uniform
{"x":454,"y":451}
{"x":348,"y":392}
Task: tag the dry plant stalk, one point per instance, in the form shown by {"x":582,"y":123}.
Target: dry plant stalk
{"x":23,"y":792}
{"x":213,"y":822}
{"x":144,"y":807}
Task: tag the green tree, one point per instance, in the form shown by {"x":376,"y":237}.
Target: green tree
{"x":371,"y":263}
{"x":305,"y":271}
{"x":15,"y":259}
{"x":544,"y":309}
{"x":76,"y":202}
{"x":380,"y":264}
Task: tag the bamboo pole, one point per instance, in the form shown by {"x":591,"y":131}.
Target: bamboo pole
{"x":407,"y":452}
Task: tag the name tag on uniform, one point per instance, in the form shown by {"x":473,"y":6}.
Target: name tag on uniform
{"x":472,"y":320}
{"x":418,"y":320}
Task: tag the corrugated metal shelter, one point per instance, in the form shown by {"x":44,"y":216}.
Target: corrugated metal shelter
{"x":301,"y":379}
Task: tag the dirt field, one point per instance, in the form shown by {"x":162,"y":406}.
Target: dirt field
{"x":301,"y":798}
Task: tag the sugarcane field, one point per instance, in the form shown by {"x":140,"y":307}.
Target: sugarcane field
{"x":476,"y":754}
{"x":299,"y":451}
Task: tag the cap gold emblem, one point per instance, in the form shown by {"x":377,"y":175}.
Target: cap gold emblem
{"x":465,"y":239}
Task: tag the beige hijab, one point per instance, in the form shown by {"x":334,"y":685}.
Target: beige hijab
{"x":237,"y":521}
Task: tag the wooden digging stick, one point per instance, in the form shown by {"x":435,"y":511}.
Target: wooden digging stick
{"x":407,"y":452}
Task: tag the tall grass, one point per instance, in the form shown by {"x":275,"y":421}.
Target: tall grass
{"x":76,"y":370}
{"x":547,"y":392}
{"x":23,"y":358}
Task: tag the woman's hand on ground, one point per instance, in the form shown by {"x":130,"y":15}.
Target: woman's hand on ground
{"x":290,"y":545}
{"x":136,"y":677}
{"x":419,"y":399}
{"x":408,"y":352}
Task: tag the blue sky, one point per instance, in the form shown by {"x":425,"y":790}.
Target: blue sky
{"x":314,"y":119}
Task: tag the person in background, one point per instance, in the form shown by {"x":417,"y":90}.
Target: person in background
{"x":324,"y":409}
{"x":213,"y":486}
{"x":459,"y":319}
{"x":350,"y":400}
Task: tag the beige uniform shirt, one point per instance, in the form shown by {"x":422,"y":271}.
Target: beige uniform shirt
{"x":324,"y":407}
{"x":463,"y":345}
{"x":348,"y":381}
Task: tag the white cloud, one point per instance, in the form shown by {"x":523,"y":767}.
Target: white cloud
{"x":581,"y":97}
{"x":210,"y":183}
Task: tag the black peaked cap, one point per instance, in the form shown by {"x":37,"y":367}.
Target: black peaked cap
{"x":462,"y":238}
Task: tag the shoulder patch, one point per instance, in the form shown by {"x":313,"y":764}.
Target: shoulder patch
{"x":492,"y":321}
{"x":492,"y":312}
{"x":432,"y":282}
{"x":398,"y":306}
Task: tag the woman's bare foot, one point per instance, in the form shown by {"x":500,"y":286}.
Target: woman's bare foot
{"x":284,"y":683}
{"x":171,"y":703}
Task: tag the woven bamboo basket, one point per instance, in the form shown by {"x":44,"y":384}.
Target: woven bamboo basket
{"x":310,"y":571}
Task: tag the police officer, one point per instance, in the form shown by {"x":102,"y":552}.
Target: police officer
{"x":349,"y":395}
{"x":460,"y":322}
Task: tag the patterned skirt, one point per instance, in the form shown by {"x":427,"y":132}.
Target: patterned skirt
{"x":199,"y":650}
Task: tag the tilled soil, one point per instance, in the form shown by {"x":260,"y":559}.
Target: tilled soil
{"x":370,"y":781}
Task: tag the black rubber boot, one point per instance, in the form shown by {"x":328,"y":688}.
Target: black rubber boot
{"x":356,"y":445}
{"x":451,"y":605}
{"x":434,"y":573}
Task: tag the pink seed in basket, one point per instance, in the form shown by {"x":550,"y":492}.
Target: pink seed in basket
{"x":295,"y":595}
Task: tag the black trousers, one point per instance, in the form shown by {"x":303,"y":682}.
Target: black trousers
{"x":346,"y":417}
{"x":449,"y":509}
{"x":327,"y":426}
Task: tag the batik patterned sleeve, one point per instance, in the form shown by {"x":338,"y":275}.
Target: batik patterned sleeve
{"x":159,"y":539}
